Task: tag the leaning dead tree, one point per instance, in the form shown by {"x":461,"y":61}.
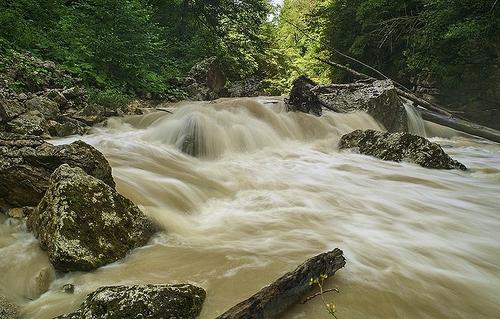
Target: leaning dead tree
{"x":430,"y":111}
{"x":287,"y":290}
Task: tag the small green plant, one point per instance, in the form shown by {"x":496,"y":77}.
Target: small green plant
{"x":330,"y":307}
{"x":109,"y":97}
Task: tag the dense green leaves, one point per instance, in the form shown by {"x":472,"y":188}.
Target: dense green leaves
{"x":436,"y":40}
{"x":137,"y":46}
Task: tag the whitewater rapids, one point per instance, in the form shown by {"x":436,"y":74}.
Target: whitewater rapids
{"x":270,"y":189}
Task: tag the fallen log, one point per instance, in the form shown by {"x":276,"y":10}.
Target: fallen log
{"x":430,"y":111}
{"x":461,"y":125}
{"x":412,"y":97}
{"x":287,"y":290}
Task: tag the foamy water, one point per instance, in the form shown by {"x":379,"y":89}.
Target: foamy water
{"x":271,"y":189}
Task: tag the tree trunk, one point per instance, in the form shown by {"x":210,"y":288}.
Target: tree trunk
{"x":461,"y":125}
{"x":432,"y":112}
{"x":287,"y":290}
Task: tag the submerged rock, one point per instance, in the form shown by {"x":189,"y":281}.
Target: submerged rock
{"x":302,"y":99}
{"x":83,"y":223}
{"x":26,"y":163}
{"x":144,"y":301}
{"x":400,"y":147}
{"x":7,"y":309}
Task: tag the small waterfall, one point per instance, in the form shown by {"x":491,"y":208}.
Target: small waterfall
{"x":416,"y":124}
{"x":209,"y":130}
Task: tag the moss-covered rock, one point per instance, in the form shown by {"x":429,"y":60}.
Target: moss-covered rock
{"x":29,"y":123}
{"x":83,"y":223}
{"x":146,"y":301}
{"x":7,"y":309}
{"x":43,"y":105}
{"x":400,"y":147}
{"x":26,"y":163}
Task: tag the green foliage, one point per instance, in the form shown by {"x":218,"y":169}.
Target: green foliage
{"x":109,"y":97}
{"x":297,"y":43}
{"x":448,"y":41}
{"x":137,"y":46}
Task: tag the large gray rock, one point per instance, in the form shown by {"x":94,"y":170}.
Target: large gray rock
{"x":26,"y":163}
{"x":43,"y":105}
{"x":65,"y":126}
{"x":379,"y":99}
{"x":83,"y":223}
{"x":10,"y":109}
{"x":400,"y":147}
{"x":29,"y":123}
{"x":145,"y":301}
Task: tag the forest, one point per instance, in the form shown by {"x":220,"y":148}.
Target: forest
{"x":138,"y":46}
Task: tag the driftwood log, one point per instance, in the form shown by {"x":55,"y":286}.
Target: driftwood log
{"x":461,"y":125}
{"x":430,"y":111}
{"x":287,"y":290}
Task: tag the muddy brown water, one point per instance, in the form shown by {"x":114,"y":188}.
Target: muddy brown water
{"x":270,"y":190}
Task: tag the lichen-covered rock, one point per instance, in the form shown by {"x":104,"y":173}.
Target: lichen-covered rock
{"x":182,"y":301}
{"x":10,"y":109}
{"x":379,"y":99}
{"x":7,"y":309}
{"x":43,"y":105}
{"x":83,"y":223}
{"x":302,"y":99}
{"x":65,"y":126}
{"x":26,"y":163}
{"x":400,"y":147}
{"x":29,"y":123}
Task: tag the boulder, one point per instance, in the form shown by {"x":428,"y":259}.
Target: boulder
{"x":205,"y":80}
{"x":83,"y":223}
{"x":302,"y":99}
{"x":7,"y":309}
{"x":10,"y":109}
{"x":379,"y":99}
{"x":249,"y":87}
{"x":65,"y":126}
{"x":400,"y":147}
{"x":26,"y":163}
{"x":182,"y":301}
{"x":43,"y":105}
{"x":90,"y":114}
{"x":56,"y":96}
{"x":29,"y":123}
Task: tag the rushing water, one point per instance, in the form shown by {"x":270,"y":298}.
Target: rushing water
{"x":271,"y":189}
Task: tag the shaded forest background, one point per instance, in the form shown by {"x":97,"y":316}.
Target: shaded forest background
{"x":445,"y":48}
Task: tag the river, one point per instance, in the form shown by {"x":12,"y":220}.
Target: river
{"x":271,"y":189}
